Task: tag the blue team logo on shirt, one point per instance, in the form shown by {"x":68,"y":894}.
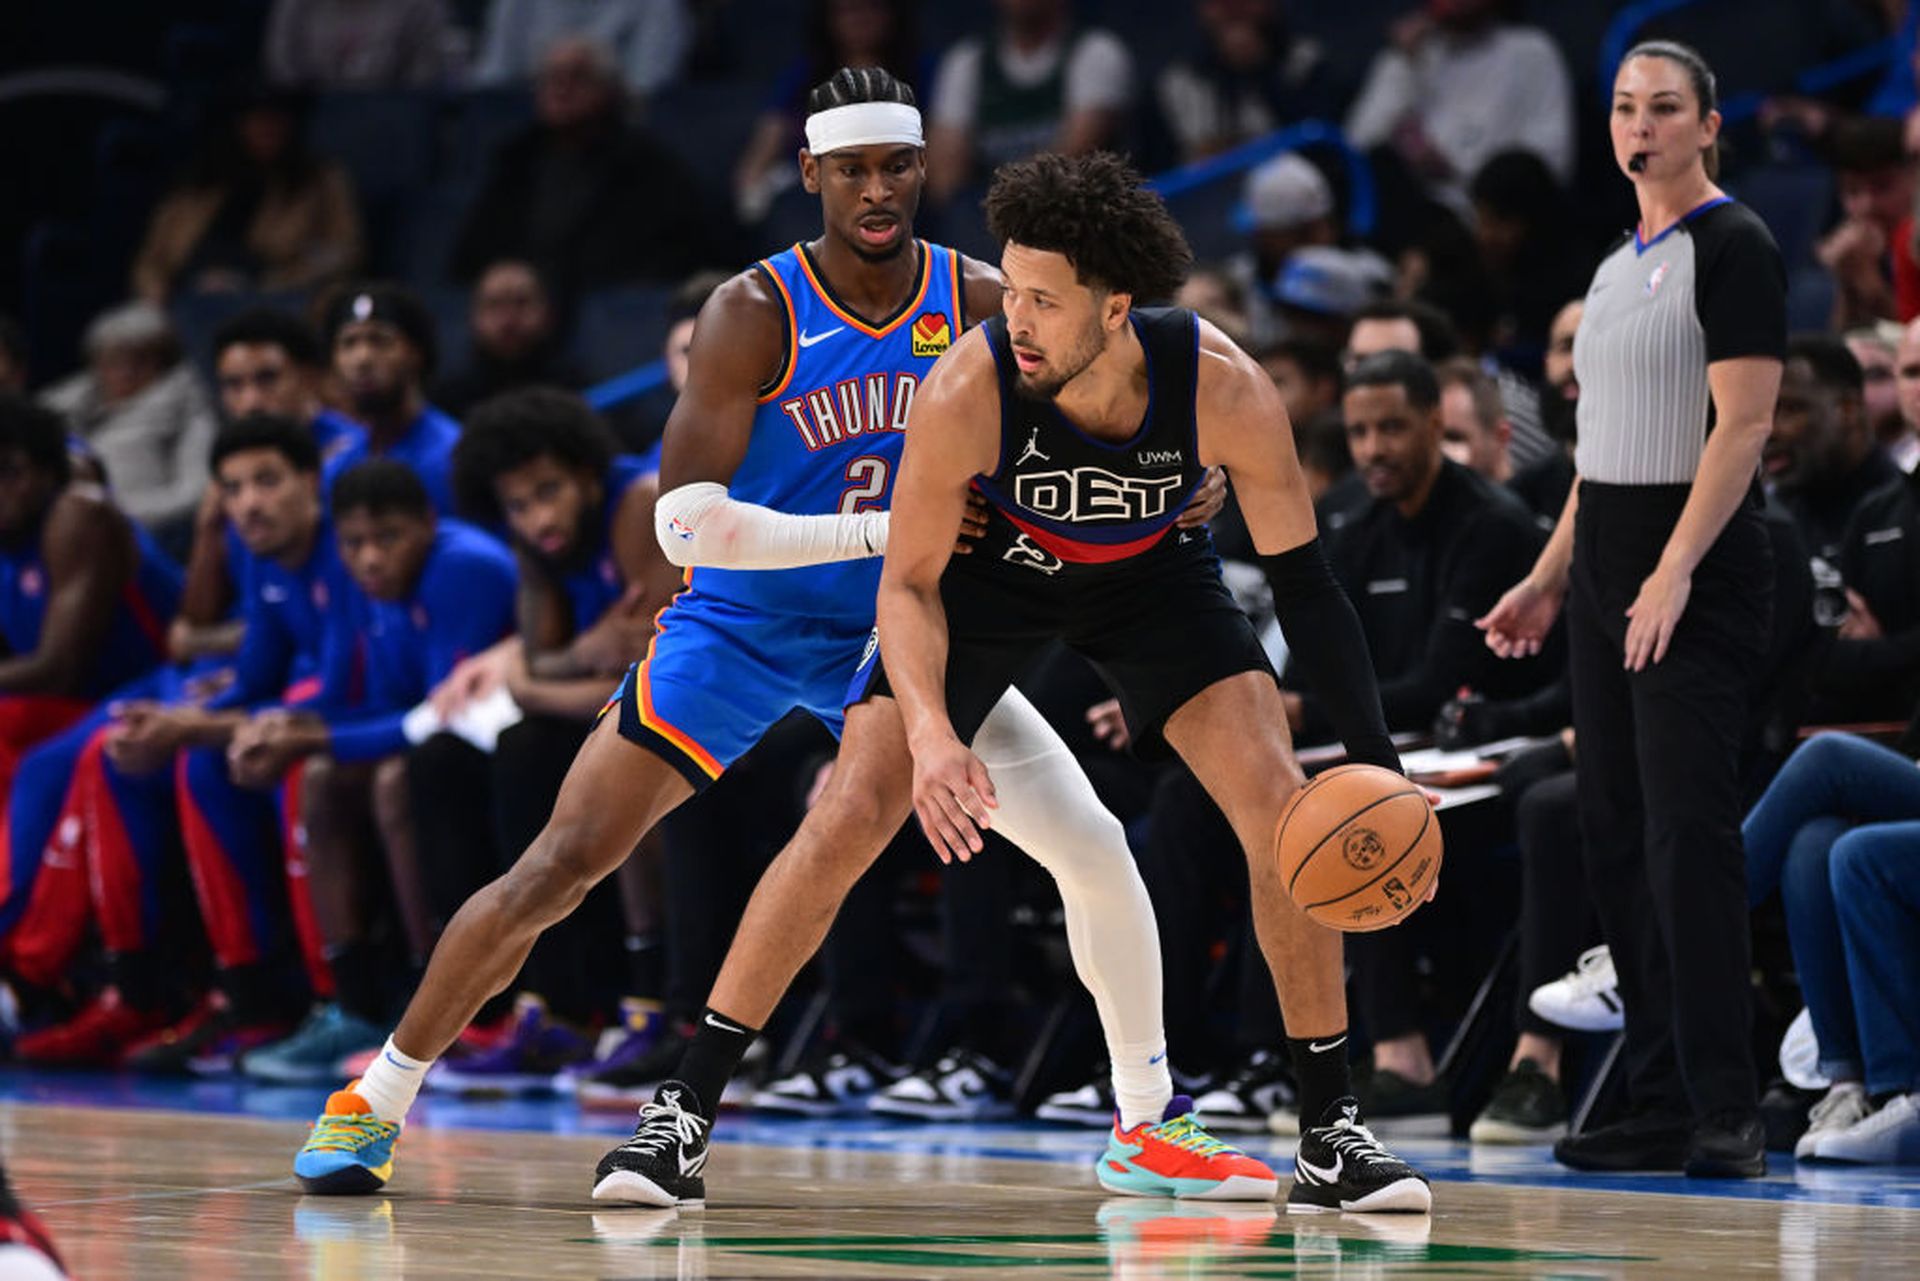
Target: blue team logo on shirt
{"x":1659,"y":274}
{"x":31,"y":581}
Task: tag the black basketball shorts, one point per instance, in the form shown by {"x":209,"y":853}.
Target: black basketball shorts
{"x":1159,"y":628}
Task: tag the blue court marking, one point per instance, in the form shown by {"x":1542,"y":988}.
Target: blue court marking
{"x":1443,"y":1160}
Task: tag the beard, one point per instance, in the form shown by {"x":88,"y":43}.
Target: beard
{"x":1558,"y":415}
{"x":380,"y":402}
{"x":575,"y":556}
{"x":1047,"y":384}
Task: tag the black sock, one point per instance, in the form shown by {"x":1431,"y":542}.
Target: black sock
{"x":646,"y":966}
{"x":712,"y":1057}
{"x":1320,"y":1068}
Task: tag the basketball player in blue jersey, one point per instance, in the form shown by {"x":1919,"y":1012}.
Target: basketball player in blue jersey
{"x":779,"y":460}
{"x":1084,"y":419}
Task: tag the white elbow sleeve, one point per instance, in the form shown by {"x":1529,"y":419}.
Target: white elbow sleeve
{"x":698,"y":524}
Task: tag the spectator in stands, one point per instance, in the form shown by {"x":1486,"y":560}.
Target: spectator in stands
{"x":1419,"y":326}
{"x":515,"y":340}
{"x":1871,"y":673}
{"x":1402,"y":326}
{"x":1443,"y":535}
{"x":1836,"y":834}
{"x":254,"y":210}
{"x":139,"y":408}
{"x":1308,"y":376}
{"x":1253,"y":74}
{"x":1322,"y":288}
{"x":1876,"y":187}
{"x":1877,"y":348}
{"x":356,"y":44}
{"x":647,"y":40}
{"x":1217,"y":296}
{"x":1428,"y":552}
{"x":1545,"y":483}
{"x":1458,"y":85}
{"x":1821,"y":458}
{"x":384,"y":348}
{"x":638,"y":424}
{"x":1474,"y":430}
{"x":1529,"y":252}
{"x":422,"y":594}
{"x":839,"y":33}
{"x":13,"y":356}
{"x":1038,"y":83}
{"x":1904,"y":448}
{"x":1287,"y":205}
{"x":587,"y":198}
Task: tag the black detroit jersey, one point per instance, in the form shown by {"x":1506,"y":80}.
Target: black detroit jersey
{"x":1068,"y":502}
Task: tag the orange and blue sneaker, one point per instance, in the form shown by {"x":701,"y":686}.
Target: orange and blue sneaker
{"x":1176,"y":1157}
{"x":350,"y":1150}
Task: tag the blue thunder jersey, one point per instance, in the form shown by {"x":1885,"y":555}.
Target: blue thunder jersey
{"x":826,"y":437}
{"x":136,"y":636}
{"x":596,"y":582}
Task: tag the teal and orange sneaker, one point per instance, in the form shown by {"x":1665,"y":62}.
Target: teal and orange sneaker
{"x":350,"y":1151}
{"x":1176,"y":1157}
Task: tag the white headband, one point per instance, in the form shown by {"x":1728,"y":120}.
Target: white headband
{"x":863,"y":124}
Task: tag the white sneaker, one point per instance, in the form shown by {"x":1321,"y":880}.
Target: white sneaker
{"x":1843,"y":1107}
{"x":1587,"y":1000}
{"x":840,"y":1084}
{"x":962,"y":1086}
{"x":1091,"y":1104}
{"x":1890,"y":1136}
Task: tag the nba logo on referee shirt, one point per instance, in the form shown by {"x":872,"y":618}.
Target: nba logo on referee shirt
{"x":932,"y":335}
{"x":1659,"y":274}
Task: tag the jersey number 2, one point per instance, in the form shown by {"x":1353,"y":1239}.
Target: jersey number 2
{"x":866,"y":484}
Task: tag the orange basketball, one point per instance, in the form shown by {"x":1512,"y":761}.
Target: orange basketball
{"x":1357,"y":848}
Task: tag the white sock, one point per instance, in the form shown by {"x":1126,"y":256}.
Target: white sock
{"x":1142,"y":1086}
{"x":1049,"y":809}
{"x":391,"y":1082}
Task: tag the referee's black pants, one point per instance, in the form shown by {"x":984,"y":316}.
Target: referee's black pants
{"x":1657,"y":757}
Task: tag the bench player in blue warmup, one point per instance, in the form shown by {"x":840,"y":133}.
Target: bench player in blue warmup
{"x":779,"y":462}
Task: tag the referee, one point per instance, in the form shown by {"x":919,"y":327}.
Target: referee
{"x":1668,"y":577}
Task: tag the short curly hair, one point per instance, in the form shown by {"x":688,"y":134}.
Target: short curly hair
{"x":514,"y":428}
{"x":1094,"y":210}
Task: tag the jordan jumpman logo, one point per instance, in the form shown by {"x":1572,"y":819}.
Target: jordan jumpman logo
{"x":1032,"y":450}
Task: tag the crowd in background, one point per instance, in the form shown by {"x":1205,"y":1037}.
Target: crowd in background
{"x":274,"y":700}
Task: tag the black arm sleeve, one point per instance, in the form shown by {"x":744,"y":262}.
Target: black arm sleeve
{"x":1323,"y":632}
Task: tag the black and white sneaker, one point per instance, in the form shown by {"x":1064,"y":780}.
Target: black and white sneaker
{"x":1341,"y":1166}
{"x":962,"y":1086}
{"x":661,"y":1163}
{"x":1256,"y":1090}
{"x":1092,"y":1104}
{"x":839,"y":1084}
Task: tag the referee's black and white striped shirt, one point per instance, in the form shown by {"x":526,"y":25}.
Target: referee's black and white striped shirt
{"x":1711,"y":287}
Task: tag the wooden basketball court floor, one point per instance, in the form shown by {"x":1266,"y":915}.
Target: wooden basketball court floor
{"x":192,"y":1180}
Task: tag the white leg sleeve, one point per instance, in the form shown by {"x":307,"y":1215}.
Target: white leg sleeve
{"x":1048,"y":808}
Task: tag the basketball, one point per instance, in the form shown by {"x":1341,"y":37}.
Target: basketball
{"x":1358,"y":847}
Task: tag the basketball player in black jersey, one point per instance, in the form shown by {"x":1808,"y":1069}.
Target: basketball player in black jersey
{"x":1084,"y":421}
